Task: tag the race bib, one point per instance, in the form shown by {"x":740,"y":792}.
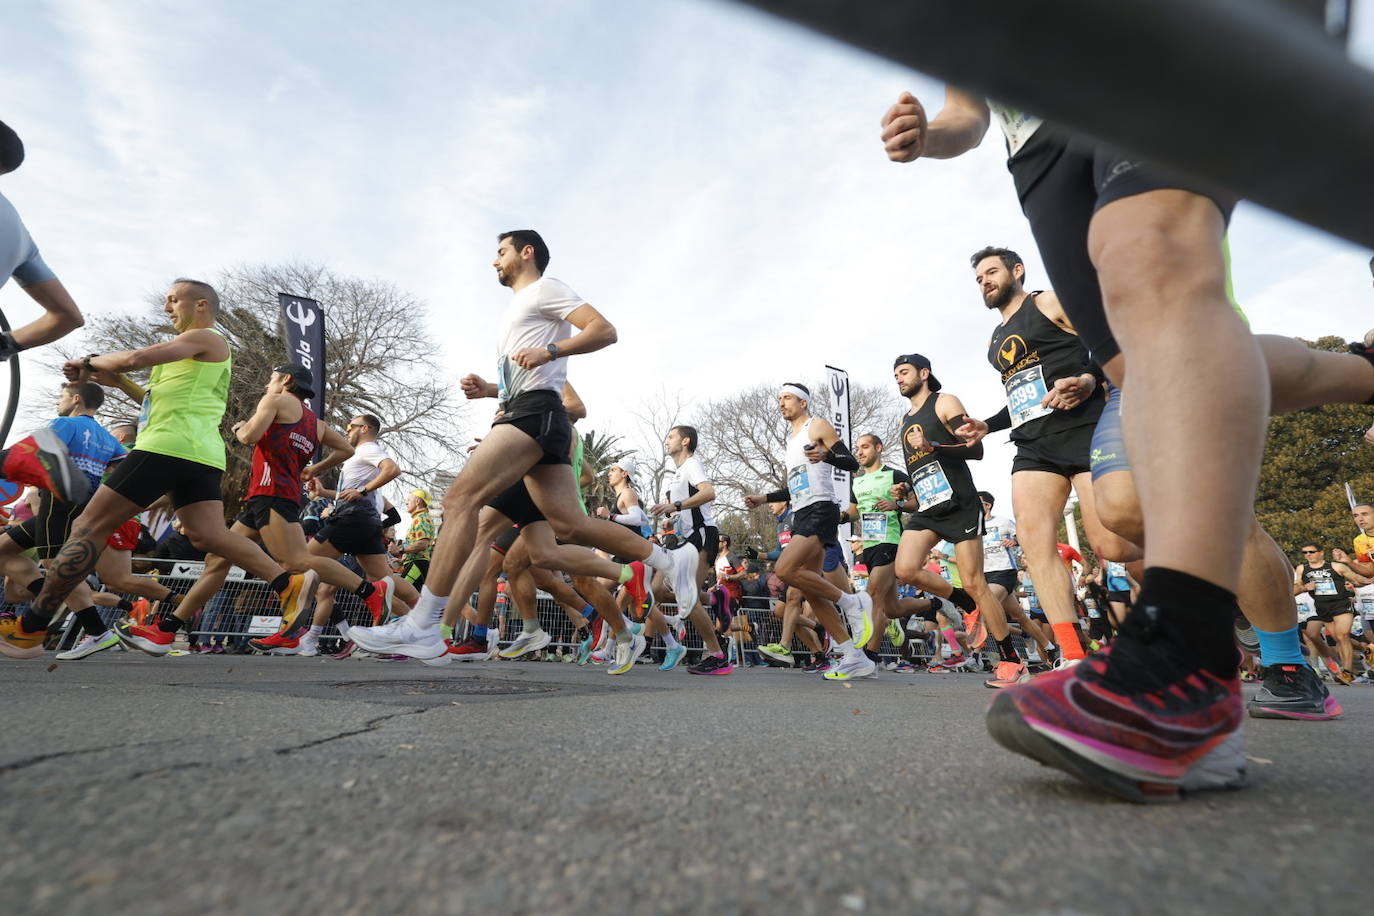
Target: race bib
{"x":799,"y":483}
{"x":502,"y":378}
{"x":1364,"y":600}
{"x":931,"y":486}
{"x":1324,"y":587}
{"x":1025,"y":390}
{"x":874,"y":526}
{"x":145,"y":410}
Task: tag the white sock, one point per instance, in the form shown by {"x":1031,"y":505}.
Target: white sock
{"x":670,"y":640}
{"x":847,"y":647}
{"x":316,"y":631}
{"x":344,"y":627}
{"x":428,"y":610}
{"x":848,"y":603}
{"x":659,"y":559}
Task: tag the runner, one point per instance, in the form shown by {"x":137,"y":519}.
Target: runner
{"x":1319,"y":579}
{"x":794,"y":620}
{"x":689,"y":503}
{"x":531,"y":440}
{"x":285,"y":435}
{"x":944,"y":504}
{"x":179,"y":452}
{"x":1159,"y":250}
{"x":1000,"y":569}
{"x":815,"y":526}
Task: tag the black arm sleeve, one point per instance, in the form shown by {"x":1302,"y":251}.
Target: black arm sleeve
{"x":392,"y":517}
{"x":778,"y":496}
{"x":999,"y":421}
{"x":841,"y":457}
{"x":962,"y":452}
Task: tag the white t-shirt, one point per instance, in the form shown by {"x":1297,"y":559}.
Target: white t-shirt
{"x":535,"y":318}
{"x":997,"y":558}
{"x":686,"y":479}
{"x":1364,"y":601}
{"x":360,"y":470}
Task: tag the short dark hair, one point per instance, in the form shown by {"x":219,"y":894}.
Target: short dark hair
{"x":11,"y":149}
{"x":1362,"y":506}
{"x":372,"y":422}
{"x":91,"y":394}
{"x":877,"y":440}
{"x":690,"y":434}
{"x":726,"y":539}
{"x":1311,"y":544}
{"x":519,"y":238}
{"x":986,"y":497}
{"x":203,"y":290}
{"x":1008,"y":258}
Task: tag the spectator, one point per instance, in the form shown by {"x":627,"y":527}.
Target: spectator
{"x":729,"y":573}
{"x":419,"y":539}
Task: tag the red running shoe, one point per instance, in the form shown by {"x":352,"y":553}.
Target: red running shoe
{"x":148,"y":639}
{"x":41,"y":460}
{"x":1145,"y":745}
{"x":277,"y":644}
{"x":468,"y":650}
{"x":638,"y":590}
{"x":379,"y":602}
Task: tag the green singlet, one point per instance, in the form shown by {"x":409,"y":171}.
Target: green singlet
{"x":577,"y":456}
{"x":182,"y":409}
{"x":877,"y":527}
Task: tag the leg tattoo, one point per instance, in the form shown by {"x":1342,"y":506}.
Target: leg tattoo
{"x":68,"y":569}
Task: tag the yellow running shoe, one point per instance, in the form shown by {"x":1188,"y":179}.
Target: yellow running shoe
{"x":16,"y":642}
{"x":895,"y":634}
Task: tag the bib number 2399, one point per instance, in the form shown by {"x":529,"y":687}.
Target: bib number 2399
{"x":1025,"y":390}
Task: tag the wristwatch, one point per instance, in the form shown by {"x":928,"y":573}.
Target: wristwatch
{"x":553,"y":350}
{"x":678,"y":505}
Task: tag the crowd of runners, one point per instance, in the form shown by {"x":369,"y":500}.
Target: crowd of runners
{"x":1138,"y":266}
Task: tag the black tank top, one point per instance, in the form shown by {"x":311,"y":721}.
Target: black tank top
{"x":941,"y":484}
{"x":1329,"y":588}
{"x":1032,"y":353}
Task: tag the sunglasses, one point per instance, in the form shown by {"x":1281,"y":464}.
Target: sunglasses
{"x":1311,"y":551}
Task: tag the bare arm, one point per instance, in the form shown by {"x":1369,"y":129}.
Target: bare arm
{"x":60,"y":315}
{"x":958,"y":128}
{"x":340,"y":450}
{"x":594,"y":333}
{"x":251,"y":430}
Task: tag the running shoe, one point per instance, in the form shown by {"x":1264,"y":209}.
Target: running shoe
{"x":895,"y":634}
{"x":853,"y":666}
{"x":904,"y":667}
{"x":277,"y":644}
{"x":711,"y":664}
{"x":1335,"y":669}
{"x":146,"y":638}
{"x":41,"y":460}
{"x":636,"y":584}
{"x":348,"y":649}
{"x":309,"y":646}
{"x":400,"y":637}
{"x":1292,"y":692}
{"x":584,"y":649}
{"x":976,"y":630}
{"x":493,"y":641}
{"x":527,"y":642}
{"x":954,"y":663}
{"x":1061,"y":663}
{"x":1143,"y":744}
{"x":686,"y":587}
{"x":89,"y":645}
{"x":860,"y":619}
{"x":1008,"y":674}
{"x":468,"y":650}
{"x":16,"y":642}
{"x":1247,"y":638}
{"x":605,"y":654}
{"x":378,"y":603}
{"x":1346,"y":678}
{"x":818,"y":666}
{"x":292,"y":598}
{"x":777,"y":652}
{"x":672,"y":657}
{"x":626,"y":654}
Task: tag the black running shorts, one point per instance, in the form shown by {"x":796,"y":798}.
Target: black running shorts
{"x":878,"y":556}
{"x":707,"y":540}
{"x":516,"y":504}
{"x":48,"y":529}
{"x":143,"y":477}
{"x":541,"y":416}
{"x":819,"y":520}
{"x":963,"y":524}
{"x":1066,"y":452}
{"x":1003,"y":577}
{"x":1328,"y":613}
{"x":358,"y":534}
{"x":506,"y":539}
{"x":257,"y":511}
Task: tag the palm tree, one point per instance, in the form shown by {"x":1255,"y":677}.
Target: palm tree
{"x":599,"y":452}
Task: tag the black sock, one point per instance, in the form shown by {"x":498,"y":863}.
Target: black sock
{"x":873,"y":656}
{"x":1192,"y":615}
{"x":1007,"y":649}
{"x":169,"y":623}
{"x":90,"y":621}
{"x":281,"y":583}
{"x":34,"y":620}
{"x":337,"y":615}
{"x":963,"y":601}
{"x":125,"y":605}
{"x":36,"y":585}
{"x":364,"y":590}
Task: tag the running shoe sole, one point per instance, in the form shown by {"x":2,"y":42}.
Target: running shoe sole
{"x":87,"y":649}
{"x":157,"y":650}
{"x":534,"y":645}
{"x":69,"y":483}
{"x":1221,"y":768}
{"x":1330,"y":710}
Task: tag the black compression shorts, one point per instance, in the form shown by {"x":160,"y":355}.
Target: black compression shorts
{"x":48,"y":529}
{"x":1003,"y":577}
{"x":516,"y":504}
{"x":819,"y":520}
{"x":142,"y":477}
{"x":257,"y":511}
{"x":1066,"y":452}
{"x":963,"y":524}
{"x":359,"y":534}
{"x":706,"y":539}
{"x":878,"y":556}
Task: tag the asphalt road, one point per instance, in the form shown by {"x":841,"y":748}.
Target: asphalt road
{"x":274,"y":785}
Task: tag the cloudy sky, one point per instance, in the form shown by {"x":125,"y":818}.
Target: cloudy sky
{"x":710,"y":178}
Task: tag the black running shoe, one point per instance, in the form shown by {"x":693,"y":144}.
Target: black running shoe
{"x":1293,"y":692}
{"x":711,"y":664}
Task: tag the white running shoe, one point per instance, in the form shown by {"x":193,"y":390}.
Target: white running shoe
{"x":1063,"y":663}
{"x":310,"y":646}
{"x":527,"y":642}
{"x":686,"y":588}
{"x":89,"y":645}
{"x":626,"y":654}
{"x":400,"y":637}
{"x":493,"y":641}
{"x":851,"y":666}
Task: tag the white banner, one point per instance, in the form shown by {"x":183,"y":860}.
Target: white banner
{"x":838,"y":379}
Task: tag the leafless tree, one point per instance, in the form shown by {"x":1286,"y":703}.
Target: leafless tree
{"x":655,"y":416}
{"x":380,"y":359}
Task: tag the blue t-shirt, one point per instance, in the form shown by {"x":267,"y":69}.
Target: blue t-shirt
{"x":90,"y":445}
{"x":19,"y":257}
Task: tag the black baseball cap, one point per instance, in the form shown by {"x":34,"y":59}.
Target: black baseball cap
{"x":302,"y":382}
{"x":920,"y":362}
{"x":11,"y":149}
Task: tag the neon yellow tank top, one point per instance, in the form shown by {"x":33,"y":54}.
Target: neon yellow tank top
{"x":183,"y":408}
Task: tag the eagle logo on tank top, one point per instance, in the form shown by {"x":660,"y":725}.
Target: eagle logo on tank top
{"x":1011,"y":350}
{"x":912,"y":432}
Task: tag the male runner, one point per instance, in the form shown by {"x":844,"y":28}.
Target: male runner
{"x":812,"y":441}
{"x":690,"y":503}
{"x":285,"y":434}
{"x":1000,"y":568}
{"x":1117,"y":240}
{"x":1317,"y":577}
{"x":531,"y":441}
{"x":91,"y":448}
{"x":944,"y":504}
{"x":179,"y":452}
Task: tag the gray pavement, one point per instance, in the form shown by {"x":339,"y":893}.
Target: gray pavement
{"x":273,"y":785}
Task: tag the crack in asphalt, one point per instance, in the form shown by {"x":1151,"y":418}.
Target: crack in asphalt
{"x":369,"y":725}
{"x":43,"y":758}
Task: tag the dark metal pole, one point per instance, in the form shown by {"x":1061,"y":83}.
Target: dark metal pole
{"x":1244,"y":94}
{"x":12,"y":403}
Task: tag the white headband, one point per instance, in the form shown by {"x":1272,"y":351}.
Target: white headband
{"x":796,"y":392}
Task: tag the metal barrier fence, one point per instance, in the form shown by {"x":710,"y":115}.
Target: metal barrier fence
{"x":245,"y":608}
